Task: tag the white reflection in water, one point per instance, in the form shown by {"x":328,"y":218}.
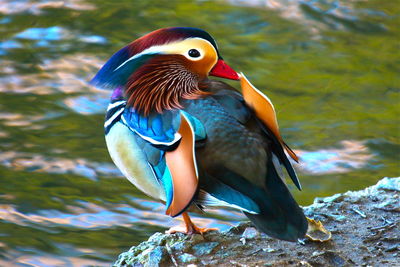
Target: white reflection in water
{"x":9,"y":44}
{"x":24,"y":120}
{"x":92,"y":216}
{"x":38,"y":163}
{"x":352,"y":155}
{"x":48,"y":260}
{"x":315,"y":15}
{"x":88,"y":104}
{"x":45,"y":35}
{"x":67,"y":75}
{"x":36,"y":7}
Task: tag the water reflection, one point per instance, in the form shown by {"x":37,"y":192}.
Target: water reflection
{"x":39,"y":163}
{"x":352,"y":155}
{"x":37,"y":7}
{"x":44,"y":36}
{"x":92,"y":216}
{"x":80,"y":258}
{"x":88,"y":104}
{"x":7,"y":45}
{"x":67,"y":74}
{"x":42,"y":261}
{"x":319,"y":15}
{"x":23,"y":120}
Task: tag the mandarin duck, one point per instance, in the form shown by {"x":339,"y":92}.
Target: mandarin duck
{"x":191,"y":142}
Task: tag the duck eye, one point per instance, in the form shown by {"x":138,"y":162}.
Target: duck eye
{"x":194,"y":53}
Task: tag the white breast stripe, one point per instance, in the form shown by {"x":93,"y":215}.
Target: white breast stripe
{"x":115,"y":104}
{"x":110,"y":120}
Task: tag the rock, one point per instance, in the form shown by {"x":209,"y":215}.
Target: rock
{"x":364,"y":226}
{"x":334,"y":198}
{"x":181,"y":246}
{"x":392,"y":248}
{"x":197,"y":239}
{"x":158,"y":238}
{"x":234,"y":230}
{"x":187,"y":258}
{"x":333,"y":258}
{"x":269,"y":250}
{"x":389,"y":184}
{"x":202,"y":249}
{"x":157,"y":257}
{"x":123,"y":260}
{"x":250,"y":233}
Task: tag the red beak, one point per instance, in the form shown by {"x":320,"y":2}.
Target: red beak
{"x":221,"y":69}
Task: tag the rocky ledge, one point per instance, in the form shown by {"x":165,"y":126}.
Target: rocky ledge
{"x":364,"y":226}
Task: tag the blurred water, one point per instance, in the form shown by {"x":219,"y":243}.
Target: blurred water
{"x":330,"y":67}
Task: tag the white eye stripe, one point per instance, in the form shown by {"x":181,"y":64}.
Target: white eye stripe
{"x":168,"y":48}
{"x":149,"y":51}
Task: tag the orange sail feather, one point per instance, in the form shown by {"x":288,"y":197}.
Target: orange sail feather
{"x":264,"y":110}
{"x":181,"y":163}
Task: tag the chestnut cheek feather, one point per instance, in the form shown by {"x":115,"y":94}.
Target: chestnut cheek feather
{"x":161,"y":83}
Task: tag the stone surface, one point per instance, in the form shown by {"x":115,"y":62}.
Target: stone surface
{"x":202,"y":249}
{"x":187,"y":258}
{"x":364,"y":226}
{"x":389,"y":184}
{"x":250,"y":233}
{"x":157,"y":257}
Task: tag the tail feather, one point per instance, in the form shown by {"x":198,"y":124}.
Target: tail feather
{"x":280,"y":216}
{"x":277,"y":147}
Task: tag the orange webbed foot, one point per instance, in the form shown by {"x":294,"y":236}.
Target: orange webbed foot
{"x":189,"y":228}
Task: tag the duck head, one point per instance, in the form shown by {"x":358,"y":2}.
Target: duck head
{"x":159,"y":69}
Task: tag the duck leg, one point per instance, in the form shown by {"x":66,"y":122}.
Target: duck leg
{"x":189,"y":227}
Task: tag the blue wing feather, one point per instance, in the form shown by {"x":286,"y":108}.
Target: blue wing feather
{"x":155,"y":130}
{"x":156,"y":126}
{"x":143,"y":126}
{"x":158,"y":129}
